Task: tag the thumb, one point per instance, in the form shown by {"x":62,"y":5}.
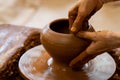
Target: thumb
{"x":87,"y":35}
{"x":79,"y":58}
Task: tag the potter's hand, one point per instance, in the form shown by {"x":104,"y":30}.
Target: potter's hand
{"x":82,"y":11}
{"x":101,"y":42}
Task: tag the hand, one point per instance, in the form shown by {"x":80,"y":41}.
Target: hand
{"x":102,"y":41}
{"x":81,"y":12}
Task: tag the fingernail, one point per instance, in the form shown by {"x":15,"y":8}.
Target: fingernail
{"x":73,"y":29}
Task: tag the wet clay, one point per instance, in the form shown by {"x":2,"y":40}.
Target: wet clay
{"x":40,"y":66}
{"x":36,"y":64}
{"x":50,"y":70}
{"x":60,"y":43}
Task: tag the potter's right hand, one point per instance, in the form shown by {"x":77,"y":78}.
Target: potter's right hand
{"x":82,"y":11}
{"x":102,"y":41}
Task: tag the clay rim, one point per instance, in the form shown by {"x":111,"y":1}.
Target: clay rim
{"x":58,"y":33}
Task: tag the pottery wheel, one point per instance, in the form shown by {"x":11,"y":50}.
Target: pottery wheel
{"x":35,"y":64}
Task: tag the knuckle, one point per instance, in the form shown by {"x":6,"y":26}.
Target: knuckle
{"x":70,"y":12}
{"x":81,"y":14}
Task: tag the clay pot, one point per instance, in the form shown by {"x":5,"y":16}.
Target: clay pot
{"x":62,"y":45}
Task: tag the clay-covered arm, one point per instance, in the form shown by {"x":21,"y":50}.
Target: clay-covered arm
{"x":103,"y":41}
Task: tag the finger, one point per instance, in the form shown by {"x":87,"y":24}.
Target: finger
{"x":81,"y":59}
{"x":88,"y":54}
{"x":78,"y":58}
{"x":71,"y":20}
{"x":87,"y":35}
{"x":97,"y":48}
{"x":72,"y":15}
{"x":83,"y":11}
{"x":77,"y":23}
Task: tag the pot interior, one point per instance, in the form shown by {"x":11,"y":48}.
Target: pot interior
{"x":60,"y":26}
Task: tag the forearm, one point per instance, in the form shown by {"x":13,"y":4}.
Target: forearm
{"x":106,"y":1}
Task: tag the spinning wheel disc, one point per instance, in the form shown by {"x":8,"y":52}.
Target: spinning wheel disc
{"x":33,"y":65}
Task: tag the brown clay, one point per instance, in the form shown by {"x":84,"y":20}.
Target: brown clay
{"x":62,"y":45}
{"x":36,"y":64}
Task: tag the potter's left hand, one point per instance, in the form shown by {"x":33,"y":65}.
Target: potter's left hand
{"x":102,"y":41}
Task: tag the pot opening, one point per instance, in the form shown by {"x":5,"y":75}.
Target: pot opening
{"x":60,"y":26}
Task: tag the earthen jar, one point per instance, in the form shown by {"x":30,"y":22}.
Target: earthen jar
{"x":60,"y":44}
